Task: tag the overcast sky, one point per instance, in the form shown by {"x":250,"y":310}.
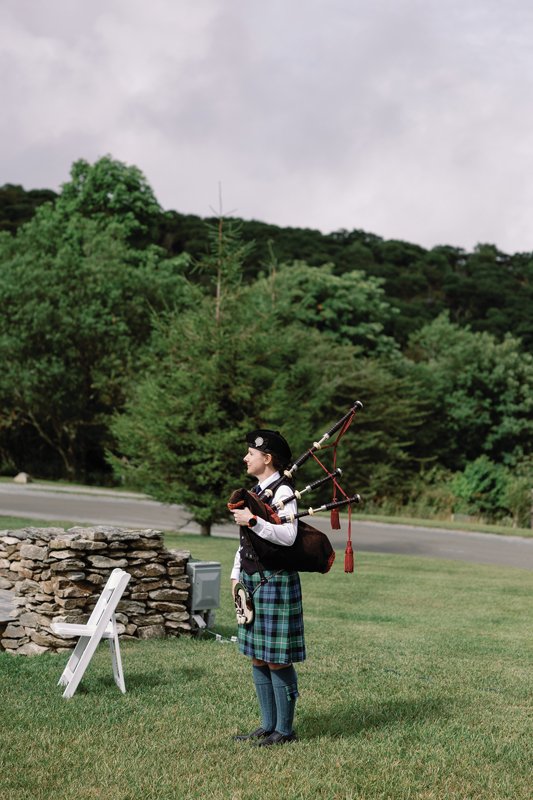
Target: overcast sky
{"x":409,"y":119}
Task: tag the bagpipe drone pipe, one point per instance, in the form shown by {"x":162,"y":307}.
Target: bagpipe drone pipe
{"x":312,"y":551}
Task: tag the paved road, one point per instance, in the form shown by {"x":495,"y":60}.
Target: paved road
{"x":100,"y":506}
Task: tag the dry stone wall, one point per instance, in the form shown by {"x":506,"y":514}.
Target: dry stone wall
{"x":58,"y":574}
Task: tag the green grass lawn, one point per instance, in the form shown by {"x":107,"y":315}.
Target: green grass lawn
{"x":13,"y":523}
{"x":418,"y":684}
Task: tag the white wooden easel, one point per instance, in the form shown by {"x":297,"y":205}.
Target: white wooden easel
{"x":100,"y":625}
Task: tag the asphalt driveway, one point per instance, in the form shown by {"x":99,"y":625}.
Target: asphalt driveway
{"x":108,"y":507}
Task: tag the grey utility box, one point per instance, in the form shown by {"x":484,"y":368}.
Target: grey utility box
{"x":205,"y":584}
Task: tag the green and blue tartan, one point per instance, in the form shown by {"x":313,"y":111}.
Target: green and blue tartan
{"x":276,"y":634}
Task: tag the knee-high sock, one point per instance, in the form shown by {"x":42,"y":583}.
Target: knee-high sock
{"x":285,"y":685}
{"x":265,"y":695}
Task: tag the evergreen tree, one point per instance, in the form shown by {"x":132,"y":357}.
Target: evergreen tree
{"x":227,"y":365}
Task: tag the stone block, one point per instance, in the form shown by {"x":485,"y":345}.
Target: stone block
{"x":151,"y":632}
{"x":131,"y":607}
{"x":165,"y":607}
{"x":8,"y":541}
{"x":148,"y":571}
{"x":149,"y":584}
{"x":97,"y":534}
{"x":31,"y":649}
{"x":26,"y":587}
{"x":177,"y":616}
{"x":182,"y":584}
{"x":70,"y":603}
{"x":143,"y":554}
{"x":155,"y":543}
{"x":46,"y":639}
{"x":96,"y":579}
{"x":33,"y":552}
{"x":22,"y":477}
{"x":75,"y":590}
{"x":12,"y":644}
{"x":13,"y":631}
{"x":69,"y":564}
{"x":180,"y":556}
{"x":169,"y":596}
{"x":148,"y":619}
{"x":48,"y":608}
{"x":102,"y":562}
{"x":24,"y":572}
{"x":61,"y":554}
{"x":60,"y":543}
{"x":30,"y":619}
{"x":87,"y":545}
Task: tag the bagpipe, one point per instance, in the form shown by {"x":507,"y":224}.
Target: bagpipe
{"x":312,"y":551}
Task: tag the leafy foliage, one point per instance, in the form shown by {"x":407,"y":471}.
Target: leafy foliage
{"x":486,"y":289}
{"x":348,"y":309}
{"x":221,"y":368}
{"x":76,"y":298}
{"x":197,"y":332}
{"x":18,"y":206}
{"x":480,"y":391}
{"x":480,"y":488}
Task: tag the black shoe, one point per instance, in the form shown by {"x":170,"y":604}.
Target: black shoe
{"x":259,"y":733}
{"x":277,"y":738}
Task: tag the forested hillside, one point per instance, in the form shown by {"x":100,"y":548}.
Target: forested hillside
{"x":139,"y":344}
{"x":486,"y":289}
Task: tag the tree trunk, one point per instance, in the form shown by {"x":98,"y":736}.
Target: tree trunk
{"x":205,"y":529}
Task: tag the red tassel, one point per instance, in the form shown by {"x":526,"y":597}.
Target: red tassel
{"x":335,"y":521}
{"x":348,"y":557}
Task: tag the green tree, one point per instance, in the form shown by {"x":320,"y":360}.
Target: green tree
{"x":77,"y":296}
{"x":348,"y":309}
{"x":378,"y":457}
{"x":492,"y":292}
{"x":110,"y":190}
{"x":225,"y":366}
{"x":480,"y":489}
{"x":181,"y":437}
{"x":479,"y":390}
{"x":17,"y":206}
{"x":518,"y":496}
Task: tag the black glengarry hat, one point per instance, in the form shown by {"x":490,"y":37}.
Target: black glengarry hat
{"x":270,"y":442}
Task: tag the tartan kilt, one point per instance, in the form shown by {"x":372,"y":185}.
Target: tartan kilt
{"x":276,"y":634}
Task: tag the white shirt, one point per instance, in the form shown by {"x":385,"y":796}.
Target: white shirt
{"x":279,"y":534}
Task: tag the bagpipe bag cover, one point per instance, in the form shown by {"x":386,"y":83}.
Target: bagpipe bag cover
{"x":311,"y":552}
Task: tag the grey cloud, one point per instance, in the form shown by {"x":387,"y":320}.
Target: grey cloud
{"x":407,"y":118}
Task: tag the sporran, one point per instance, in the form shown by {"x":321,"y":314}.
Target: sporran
{"x":244,"y":605}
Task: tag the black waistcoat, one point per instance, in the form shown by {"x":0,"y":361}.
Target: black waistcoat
{"x":249,"y":558}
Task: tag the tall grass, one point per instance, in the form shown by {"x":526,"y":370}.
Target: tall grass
{"x":418,"y":685}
